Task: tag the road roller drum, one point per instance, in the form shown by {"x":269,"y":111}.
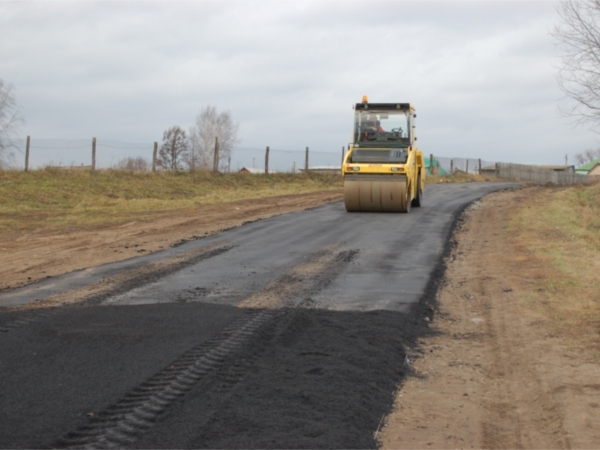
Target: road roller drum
{"x":376,"y":193}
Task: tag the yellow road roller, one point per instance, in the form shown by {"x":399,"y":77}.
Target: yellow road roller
{"x":383,"y":170}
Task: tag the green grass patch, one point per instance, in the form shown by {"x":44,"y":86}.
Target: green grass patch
{"x":53,"y":198}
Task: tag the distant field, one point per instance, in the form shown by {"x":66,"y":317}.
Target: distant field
{"x":57,"y":198}
{"x":557,"y":231}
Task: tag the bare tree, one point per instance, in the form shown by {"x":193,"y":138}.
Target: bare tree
{"x":137,"y":164}
{"x":578,"y":37}
{"x":587,"y":156}
{"x":10,"y":119}
{"x":590,"y":154}
{"x":210,"y":124}
{"x":174,"y":149}
{"x":579,"y":159}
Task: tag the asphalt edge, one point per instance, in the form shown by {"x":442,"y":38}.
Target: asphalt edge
{"x":423,"y":312}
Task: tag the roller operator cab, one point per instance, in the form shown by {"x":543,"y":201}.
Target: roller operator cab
{"x":383,"y":169}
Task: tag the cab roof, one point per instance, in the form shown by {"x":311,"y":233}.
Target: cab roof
{"x":385,"y":106}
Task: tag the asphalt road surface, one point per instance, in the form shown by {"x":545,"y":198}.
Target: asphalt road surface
{"x":290,"y":332}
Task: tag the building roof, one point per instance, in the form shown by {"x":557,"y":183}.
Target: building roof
{"x":259,"y":170}
{"x":558,"y":167}
{"x":589,"y":166}
{"x":252,"y":170}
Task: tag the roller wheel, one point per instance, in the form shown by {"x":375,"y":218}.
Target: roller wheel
{"x":416,"y":202}
{"x":376,"y":193}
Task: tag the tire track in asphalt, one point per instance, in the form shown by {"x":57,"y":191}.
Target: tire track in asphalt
{"x":122,"y":422}
{"x":303,"y":280}
{"x":127,"y":419}
{"x":95,"y":293}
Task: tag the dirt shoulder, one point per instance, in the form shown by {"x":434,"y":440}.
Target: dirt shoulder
{"x":495,"y":373}
{"x":27,"y":257}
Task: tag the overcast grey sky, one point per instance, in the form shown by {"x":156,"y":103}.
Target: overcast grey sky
{"x":480,"y":73}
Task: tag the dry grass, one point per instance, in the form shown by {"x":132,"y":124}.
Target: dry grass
{"x":556,"y":234}
{"x":61,"y":198}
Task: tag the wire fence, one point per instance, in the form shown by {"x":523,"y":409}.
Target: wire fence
{"x":445,"y":166}
{"x":109,"y":153}
{"x":105,"y":154}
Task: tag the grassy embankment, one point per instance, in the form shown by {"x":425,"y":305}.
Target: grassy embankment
{"x":53,"y":199}
{"x":56,"y":198}
{"x":557,"y":234}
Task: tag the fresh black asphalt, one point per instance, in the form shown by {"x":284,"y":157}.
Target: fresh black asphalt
{"x":319,"y":377}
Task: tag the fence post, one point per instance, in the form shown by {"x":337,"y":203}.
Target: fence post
{"x":431,"y":164}
{"x":27,"y":153}
{"x":343,"y":154}
{"x":497,"y":170}
{"x":479,"y":171}
{"x":306,"y":161}
{"x":154,"y":155}
{"x":216,"y":156}
{"x":93,"y":153}
{"x":467,"y":167}
{"x":451,"y":166}
{"x":229,"y":164}
{"x":267,"y":161}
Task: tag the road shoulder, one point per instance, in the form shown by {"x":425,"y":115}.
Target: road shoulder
{"x":495,"y":373}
